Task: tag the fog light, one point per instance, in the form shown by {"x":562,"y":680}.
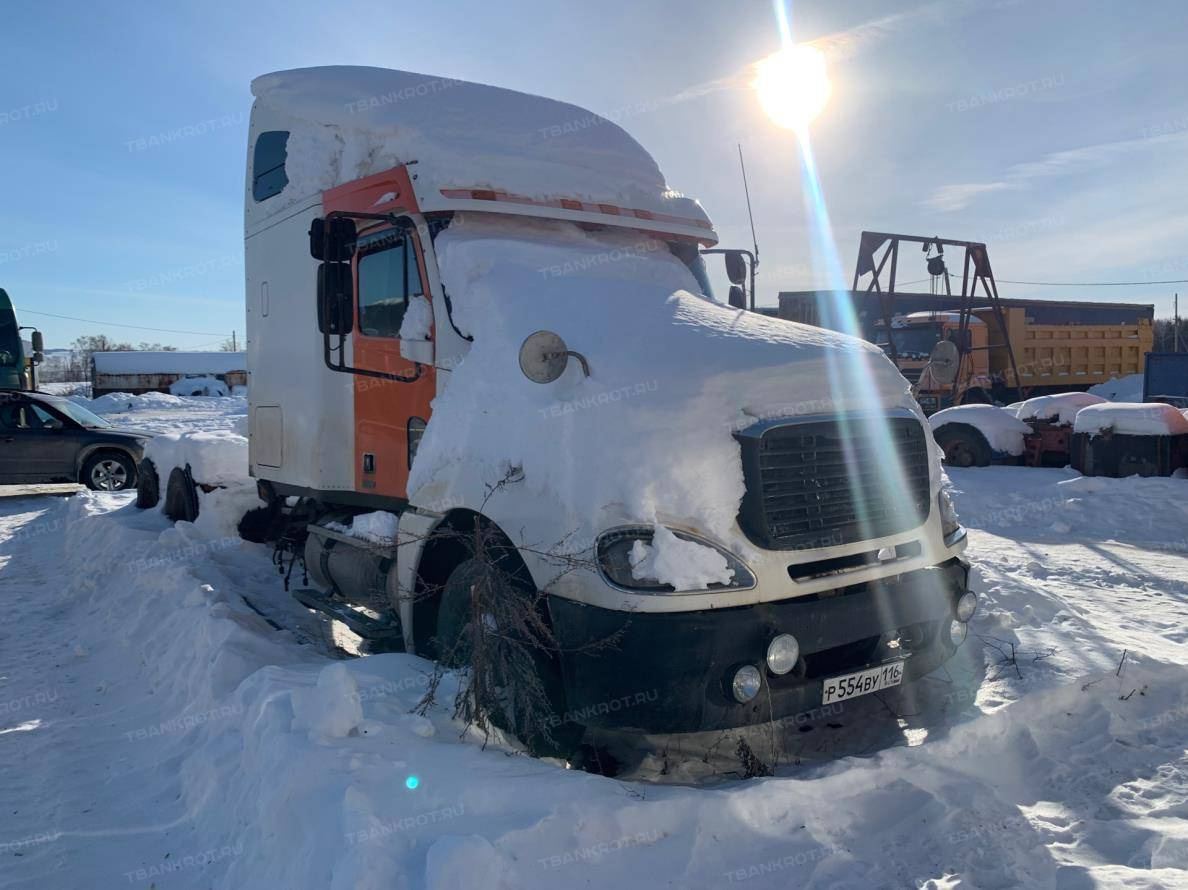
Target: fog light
{"x":958,"y":631}
{"x":747,"y":681}
{"x":966,"y":606}
{"x":782,"y":654}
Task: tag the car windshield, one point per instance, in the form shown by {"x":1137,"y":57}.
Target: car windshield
{"x":78,"y":413}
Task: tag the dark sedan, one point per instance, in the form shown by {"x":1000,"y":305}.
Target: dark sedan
{"x":46,"y":438}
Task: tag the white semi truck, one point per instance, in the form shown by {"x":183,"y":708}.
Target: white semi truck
{"x":471,"y":308}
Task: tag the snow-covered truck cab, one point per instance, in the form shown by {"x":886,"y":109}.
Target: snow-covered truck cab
{"x":714,"y":504}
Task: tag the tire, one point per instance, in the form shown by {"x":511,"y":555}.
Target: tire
{"x":108,"y":471}
{"x":261,"y":525}
{"x":963,"y":445}
{"x":505,"y":707}
{"x":976,"y":396}
{"x":148,"y":485}
{"x":181,"y":496}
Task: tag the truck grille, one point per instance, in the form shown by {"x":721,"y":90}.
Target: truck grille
{"x":824,"y":483}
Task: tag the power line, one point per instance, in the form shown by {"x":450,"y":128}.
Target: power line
{"x":1074,"y":283}
{"x":115,"y":324}
{"x":1094,"y":283}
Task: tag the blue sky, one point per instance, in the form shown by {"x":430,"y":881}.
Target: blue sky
{"x":1054,"y":130}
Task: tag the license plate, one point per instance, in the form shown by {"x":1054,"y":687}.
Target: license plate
{"x":862,"y":683}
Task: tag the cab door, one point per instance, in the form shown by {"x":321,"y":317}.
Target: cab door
{"x":390,"y":414}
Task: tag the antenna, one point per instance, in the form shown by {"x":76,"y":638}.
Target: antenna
{"x":751,"y":217}
{"x":747,"y":192}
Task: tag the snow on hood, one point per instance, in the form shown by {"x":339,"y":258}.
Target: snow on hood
{"x":1138,"y":419}
{"x":648,"y":436}
{"x":1061,"y":407}
{"x":461,"y":135}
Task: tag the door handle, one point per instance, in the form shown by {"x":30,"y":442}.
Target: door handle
{"x":8,"y":440}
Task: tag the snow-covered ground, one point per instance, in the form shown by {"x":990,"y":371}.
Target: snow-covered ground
{"x":170,"y":718}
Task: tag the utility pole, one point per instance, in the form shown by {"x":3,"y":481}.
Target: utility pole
{"x":1176,"y":325}
{"x":234,"y":345}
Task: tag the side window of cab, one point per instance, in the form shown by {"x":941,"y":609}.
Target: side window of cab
{"x":388,"y":277}
{"x":268,"y":164}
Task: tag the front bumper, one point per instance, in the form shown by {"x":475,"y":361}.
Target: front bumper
{"x":670,"y":672}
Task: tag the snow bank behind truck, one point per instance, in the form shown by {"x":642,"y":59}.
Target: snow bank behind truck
{"x":495,"y":326}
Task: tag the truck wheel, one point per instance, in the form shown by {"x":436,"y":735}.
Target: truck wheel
{"x":963,"y":445}
{"x":520,"y":688}
{"x":976,"y":396}
{"x":148,"y":486}
{"x":109,"y":471}
{"x":181,"y":496}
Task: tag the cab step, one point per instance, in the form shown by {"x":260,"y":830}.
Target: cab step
{"x":385,"y":630}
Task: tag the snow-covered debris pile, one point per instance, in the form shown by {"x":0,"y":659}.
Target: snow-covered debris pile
{"x":1003,"y":431}
{"x":116,"y":402}
{"x":1142,"y":419}
{"x":1125,"y":389}
{"x":215,"y":457}
{"x":378,"y":527}
{"x":1058,"y":408}
{"x":348,"y":122}
{"x":671,"y":373}
{"x":199,"y":386}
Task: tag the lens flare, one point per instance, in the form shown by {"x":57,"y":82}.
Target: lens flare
{"x":793,"y":86}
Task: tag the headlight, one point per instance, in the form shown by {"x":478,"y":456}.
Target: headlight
{"x":950,"y":525}
{"x":958,"y":631}
{"x":782,"y":654}
{"x":614,"y":561}
{"x":966,"y":606}
{"x":746,"y":683}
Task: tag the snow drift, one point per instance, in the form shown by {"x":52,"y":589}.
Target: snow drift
{"x":217,"y":731}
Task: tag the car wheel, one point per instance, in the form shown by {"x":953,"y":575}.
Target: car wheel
{"x":181,"y":496}
{"x":148,"y":485}
{"x":963,"y":445}
{"x":505,"y":694}
{"x":109,"y":471}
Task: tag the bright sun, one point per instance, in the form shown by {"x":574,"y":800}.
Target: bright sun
{"x":793,"y":86}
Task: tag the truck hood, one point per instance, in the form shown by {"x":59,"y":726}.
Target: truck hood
{"x":648,"y":435}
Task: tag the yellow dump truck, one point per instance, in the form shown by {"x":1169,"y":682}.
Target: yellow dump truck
{"x":1049,"y":357}
{"x":1059,"y":345}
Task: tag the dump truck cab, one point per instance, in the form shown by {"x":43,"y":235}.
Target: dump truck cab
{"x":916,"y":334}
{"x":475,"y":314}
